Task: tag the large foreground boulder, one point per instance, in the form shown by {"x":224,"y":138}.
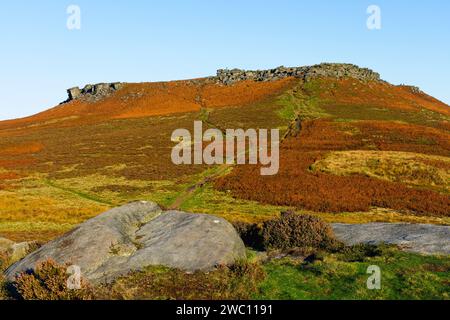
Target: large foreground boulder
{"x":137,"y":235}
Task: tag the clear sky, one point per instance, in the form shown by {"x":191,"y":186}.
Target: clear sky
{"x":137,"y":40}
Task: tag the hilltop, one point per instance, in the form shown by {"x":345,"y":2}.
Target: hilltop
{"x":355,"y":150}
{"x":103,"y":101}
{"x":366,"y":150}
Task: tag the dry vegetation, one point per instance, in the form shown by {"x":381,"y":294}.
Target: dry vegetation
{"x":350,"y":92}
{"x":152,"y":99}
{"x":395,"y":136}
{"x":57,"y":175}
{"x":409,"y":168}
{"x":72,"y":162}
{"x":296,"y":185}
{"x":357,"y":119}
{"x":49,"y":282}
{"x":367,"y":152}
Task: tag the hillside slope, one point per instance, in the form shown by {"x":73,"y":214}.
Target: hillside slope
{"x":135,"y":100}
{"x":367,"y":151}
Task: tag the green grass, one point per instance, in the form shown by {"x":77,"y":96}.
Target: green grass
{"x":208,"y":200}
{"x":403,"y":276}
{"x":332,"y":276}
{"x":78,"y":193}
{"x":297,"y":102}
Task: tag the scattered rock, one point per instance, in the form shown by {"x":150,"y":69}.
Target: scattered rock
{"x":412,"y":89}
{"x":419,"y":238}
{"x":335,"y":70}
{"x":137,"y":235}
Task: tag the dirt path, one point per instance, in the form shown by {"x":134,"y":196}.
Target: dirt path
{"x":189,"y":191}
{"x":77,"y":193}
{"x":294,"y":129}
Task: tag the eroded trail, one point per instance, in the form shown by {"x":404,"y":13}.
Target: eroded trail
{"x":176,"y":205}
{"x":294,"y":129}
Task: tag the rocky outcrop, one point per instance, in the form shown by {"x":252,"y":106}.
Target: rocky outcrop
{"x":412,"y":89}
{"x":74,"y":93}
{"x":93,"y":93}
{"x":419,"y":238}
{"x":96,"y":92}
{"x":137,"y":235}
{"x":334,"y":70}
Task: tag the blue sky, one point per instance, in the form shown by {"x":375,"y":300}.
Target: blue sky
{"x":134,"y":41}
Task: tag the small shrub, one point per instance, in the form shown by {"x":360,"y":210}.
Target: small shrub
{"x":250,"y":234}
{"x":49,"y":282}
{"x":292,"y":230}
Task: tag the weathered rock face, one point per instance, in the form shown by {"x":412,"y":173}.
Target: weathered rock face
{"x":93,"y":93}
{"x":74,"y":93}
{"x":419,"y":238}
{"x":335,"y":70}
{"x":96,"y":92}
{"x":137,"y":235}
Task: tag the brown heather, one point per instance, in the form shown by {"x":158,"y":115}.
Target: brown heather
{"x":239,"y":281}
{"x":297,"y":185}
{"x":49,"y":282}
{"x":72,"y":162}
